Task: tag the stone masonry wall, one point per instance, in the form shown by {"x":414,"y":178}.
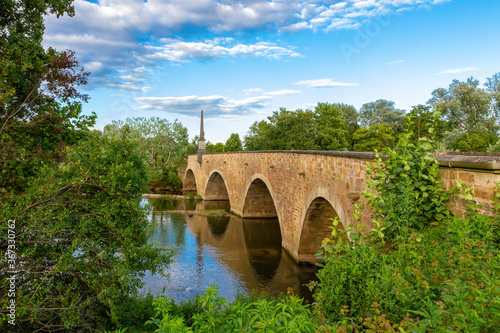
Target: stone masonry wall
{"x":295,"y":179}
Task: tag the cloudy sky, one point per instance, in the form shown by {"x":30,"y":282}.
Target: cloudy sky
{"x":241,"y":60}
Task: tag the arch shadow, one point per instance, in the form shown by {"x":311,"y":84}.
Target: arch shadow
{"x":216,"y":188}
{"x":263,"y":244}
{"x":259,"y":201}
{"x":190,"y":184}
{"x":320,"y":208}
{"x":218,"y":226}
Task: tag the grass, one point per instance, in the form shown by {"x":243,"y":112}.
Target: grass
{"x":216,"y":212}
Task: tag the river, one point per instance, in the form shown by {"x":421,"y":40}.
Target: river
{"x":239,"y":255}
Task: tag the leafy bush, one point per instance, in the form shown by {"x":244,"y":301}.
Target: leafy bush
{"x":419,"y":269}
{"x":405,"y":189}
{"x":83,"y":239}
{"x":446,"y":277}
{"x":474,"y":142}
{"x":214,"y":314}
{"x":133,"y":311}
{"x":495,"y":147}
{"x":172,"y":179}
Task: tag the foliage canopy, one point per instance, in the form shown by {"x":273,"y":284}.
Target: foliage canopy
{"x":73,"y":223}
{"x":375,"y":137}
{"x":71,"y":196}
{"x":165,"y":143}
{"x":40,"y":107}
{"x":382,"y":112}
{"x":233,"y":143}
{"x":321,"y":129}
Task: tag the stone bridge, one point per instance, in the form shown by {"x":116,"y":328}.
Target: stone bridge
{"x":305,"y":189}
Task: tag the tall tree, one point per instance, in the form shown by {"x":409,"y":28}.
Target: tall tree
{"x":382,"y":112}
{"x":258,"y":136}
{"x":70,"y":199}
{"x":471,"y":113}
{"x":165,"y":143}
{"x":292,"y":130}
{"x":233,"y":143}
{"x":493,"y":87}
{"x":331,"y":133}
{"x":422,"y":118}
{"x":321,"y":129}
{"x":193,"y":145}
{"x":375,"y":137}
{"x":40,"y":107}
{"x":351,"y":118}
{"x":214,"y":147}
{"x":81,"y":240}
{"x":465,"y":105}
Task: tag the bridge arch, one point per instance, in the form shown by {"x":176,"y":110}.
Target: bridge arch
{"x":259,"y":201}
{"x":190,"y":183}
{"x":216,"y":188}
{"x":320,"y":207}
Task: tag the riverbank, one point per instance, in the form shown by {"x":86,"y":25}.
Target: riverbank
{"x":215,"y":212}
{"x":170,"y":196}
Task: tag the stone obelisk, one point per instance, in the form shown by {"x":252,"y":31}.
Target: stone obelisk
{"x":201,"y":140}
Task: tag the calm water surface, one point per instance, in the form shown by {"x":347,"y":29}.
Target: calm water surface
{"x":236,"y":254}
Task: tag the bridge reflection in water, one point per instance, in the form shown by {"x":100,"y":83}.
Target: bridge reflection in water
{"x":237,"y":254}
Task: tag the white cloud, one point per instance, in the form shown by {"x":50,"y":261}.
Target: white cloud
{"x":456,"y":70}
{"x":365,"y":4}
{"x":282,"y":92}
{"x":342,"y":23}
{"x":324,"y":83}
{"x":296,"y":27}
{"x":397,"y":62}
{"x":252,"y":91}
{"x":213,"y":106}
{"x":128,"y":34}
{"x":179,"y":51}
{"x":126,"y":19}
{"x":224,"y":15}
{"x":94,"y":66}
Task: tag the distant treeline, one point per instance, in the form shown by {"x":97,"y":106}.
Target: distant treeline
{"x":468,"y":121}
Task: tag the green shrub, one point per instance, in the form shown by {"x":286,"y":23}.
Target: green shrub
{"x":133,"y":311}
{"x":88,"y":240}
{"x":215,"y":314}
{"x":447,"y":277}
{"x":474,"y":142}
{"x":172,"y":179}
{"x":420,"y":269}
{"x":405,"y":191}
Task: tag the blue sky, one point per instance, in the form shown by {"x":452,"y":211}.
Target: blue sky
{"x":241,"y":60}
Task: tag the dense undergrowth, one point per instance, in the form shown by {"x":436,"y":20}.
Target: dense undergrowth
{"x":443,"y":280}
